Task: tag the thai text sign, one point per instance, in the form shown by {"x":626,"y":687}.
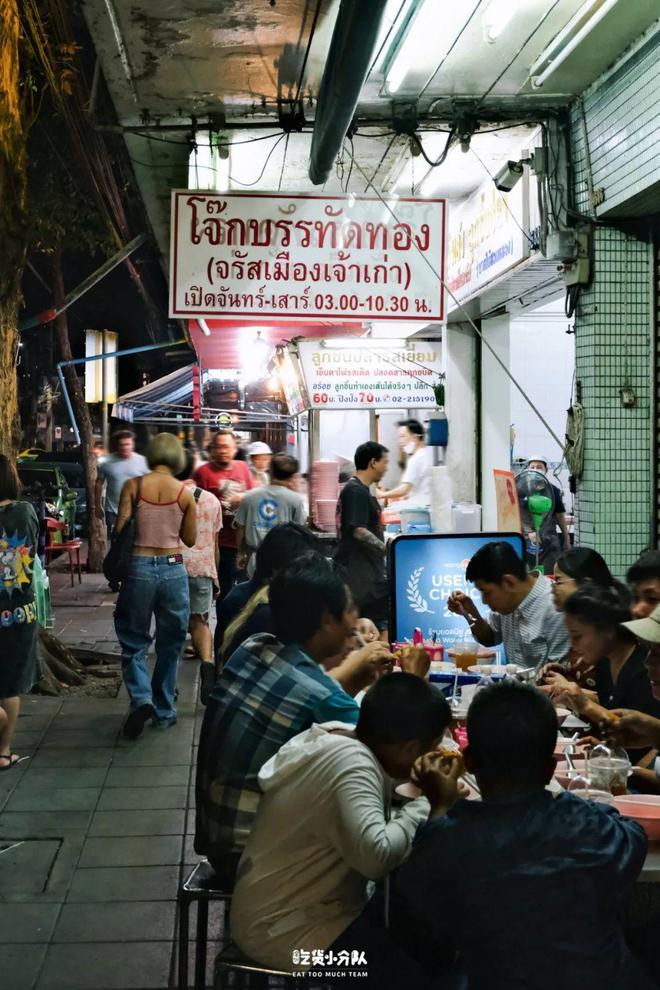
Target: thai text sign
{"x":486,"y":238}
{"x":361,"y":378}
{"x":273,"y":256}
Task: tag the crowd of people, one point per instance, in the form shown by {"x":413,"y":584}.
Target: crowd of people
{"x":307,"y":727}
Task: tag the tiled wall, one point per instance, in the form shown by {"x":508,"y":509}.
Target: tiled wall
{"x":613,"y":342}
{"x":614,"y":321}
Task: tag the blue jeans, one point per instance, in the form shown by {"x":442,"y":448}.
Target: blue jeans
{"x":153,"y":587}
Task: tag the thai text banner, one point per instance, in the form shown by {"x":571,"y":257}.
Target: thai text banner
{"x":275,"y":256}
{"x":354,"y":377}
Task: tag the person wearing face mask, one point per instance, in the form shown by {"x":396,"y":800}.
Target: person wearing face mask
{"x":415,"y":484}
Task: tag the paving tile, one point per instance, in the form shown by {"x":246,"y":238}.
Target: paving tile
{"x":20,"y":965}
{"x":25,"y":740}
{"x":124,"y":883}
{"x":42,"y":823}
{"x":35,"y":722}
{"x":67,"y":777}
{"x":132,"y":850}
{"x":190,"y":857}
{"x":106,"y":966}
{"x":26,"y":923}
{"x":54,"y":799}
{"x":119,"y":823}
{"x":152,"y":757}
{"x":67,"y":721}
{"x":121,"y":921}
{"x":63,"y":739}
{"x":147,"y":776}
{"x":120,"y":798}
{"x":88,"y":757}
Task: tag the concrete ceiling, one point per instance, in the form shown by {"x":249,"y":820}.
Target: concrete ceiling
{"x":166,"y":61}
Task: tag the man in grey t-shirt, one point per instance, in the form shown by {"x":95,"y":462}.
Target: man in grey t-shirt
{"x":272,"y":505}
{"x":121,"y":466}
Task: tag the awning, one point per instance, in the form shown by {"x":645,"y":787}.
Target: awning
{"x":169,"y":400}
{"x":156,"y":398}
{"x":224,"y":347}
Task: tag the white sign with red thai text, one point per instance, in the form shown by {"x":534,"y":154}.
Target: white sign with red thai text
{"x":354,"y":377}
{"x":486,"y":238}
{"x":281,"y":257}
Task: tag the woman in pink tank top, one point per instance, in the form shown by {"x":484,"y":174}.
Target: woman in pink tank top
{"x":156,"y":586}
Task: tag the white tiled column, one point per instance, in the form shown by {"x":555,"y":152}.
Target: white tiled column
{"x":495,"y":413}
{"x":461,"y":406}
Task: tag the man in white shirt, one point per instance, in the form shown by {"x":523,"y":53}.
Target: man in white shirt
{"x":523,"y":616}
{"x":415,"y":483}
{"x":303,"y":888}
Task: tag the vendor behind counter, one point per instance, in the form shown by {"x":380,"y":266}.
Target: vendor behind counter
{"x":415,"y":484}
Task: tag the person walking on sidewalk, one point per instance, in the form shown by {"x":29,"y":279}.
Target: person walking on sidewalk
{"x":19,"y":536}
{"x":228,"y":479}
{"x":113,"y":472}
{"x":201,"y":563}
{"x":156,"y":584}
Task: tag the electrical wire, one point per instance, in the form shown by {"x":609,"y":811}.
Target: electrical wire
{"x":527,"y":40}
{"x":219,"y":144}
{"x":451,"y":140}
{"x":312,"y":32}
{"x":471,"y":322}
{"x":503,"y":198}
{"x":286,"y":148}
{"x":370,"y":181}
{"x":450,"y":50}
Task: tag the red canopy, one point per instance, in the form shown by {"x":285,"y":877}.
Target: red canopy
{"x":222,"y":349}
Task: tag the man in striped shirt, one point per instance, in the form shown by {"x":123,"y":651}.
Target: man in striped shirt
{"x":523,"y":616}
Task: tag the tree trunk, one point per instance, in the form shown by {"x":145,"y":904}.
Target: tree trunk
{"x":95,"y":526}
{"x":13,"y":159}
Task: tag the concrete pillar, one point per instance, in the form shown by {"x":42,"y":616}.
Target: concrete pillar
{"x":495,"y":413}
{"x":461,"y":409}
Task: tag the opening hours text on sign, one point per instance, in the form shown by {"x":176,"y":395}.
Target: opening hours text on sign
{"x":277,"y":257}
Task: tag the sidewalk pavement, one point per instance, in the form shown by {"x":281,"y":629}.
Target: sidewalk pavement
{"x":95,"y":831}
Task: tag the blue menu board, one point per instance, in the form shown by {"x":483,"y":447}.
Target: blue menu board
{"x":423,"y":572}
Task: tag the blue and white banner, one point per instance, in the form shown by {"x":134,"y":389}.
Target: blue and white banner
{"x":424,"y":571}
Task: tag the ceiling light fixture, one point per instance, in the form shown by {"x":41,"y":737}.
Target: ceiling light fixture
{"x":431,"y":34}
{"x":203,"y":326}
{"x":497,"y":16}
{"x":569,"y":38}
{"x":367,"y":343}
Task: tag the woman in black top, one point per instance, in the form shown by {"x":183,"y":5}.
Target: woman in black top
{"x":19,"y":535}
{"x":593,"y":618}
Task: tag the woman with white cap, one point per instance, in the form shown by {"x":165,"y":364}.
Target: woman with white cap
{"x":259,"y":455}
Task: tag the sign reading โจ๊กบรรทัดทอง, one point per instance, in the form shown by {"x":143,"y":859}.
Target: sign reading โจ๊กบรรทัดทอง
{"x":281,"y":256}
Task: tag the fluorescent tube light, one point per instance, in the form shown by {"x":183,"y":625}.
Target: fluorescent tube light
{"x":369,"y":343}
{"x":432,"y":32}
{"x":569,"y":38}
{"x":496,"y":18}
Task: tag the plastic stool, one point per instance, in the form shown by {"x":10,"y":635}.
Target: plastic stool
{"x":201,"y":886}
{"x":255,"y":976}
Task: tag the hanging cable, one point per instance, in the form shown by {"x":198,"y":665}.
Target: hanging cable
{"x":471,"y":322}
{"x":503,"y":198}
{"x":451,"y":140}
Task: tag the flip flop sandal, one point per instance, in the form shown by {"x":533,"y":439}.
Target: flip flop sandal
{"x":13,"y":761}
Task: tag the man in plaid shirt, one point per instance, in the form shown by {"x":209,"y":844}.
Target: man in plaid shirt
{"x":272,"y":688}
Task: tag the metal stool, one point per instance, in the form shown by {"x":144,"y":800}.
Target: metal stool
{"x":201,"y":886}
{"x":254,"y":976}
